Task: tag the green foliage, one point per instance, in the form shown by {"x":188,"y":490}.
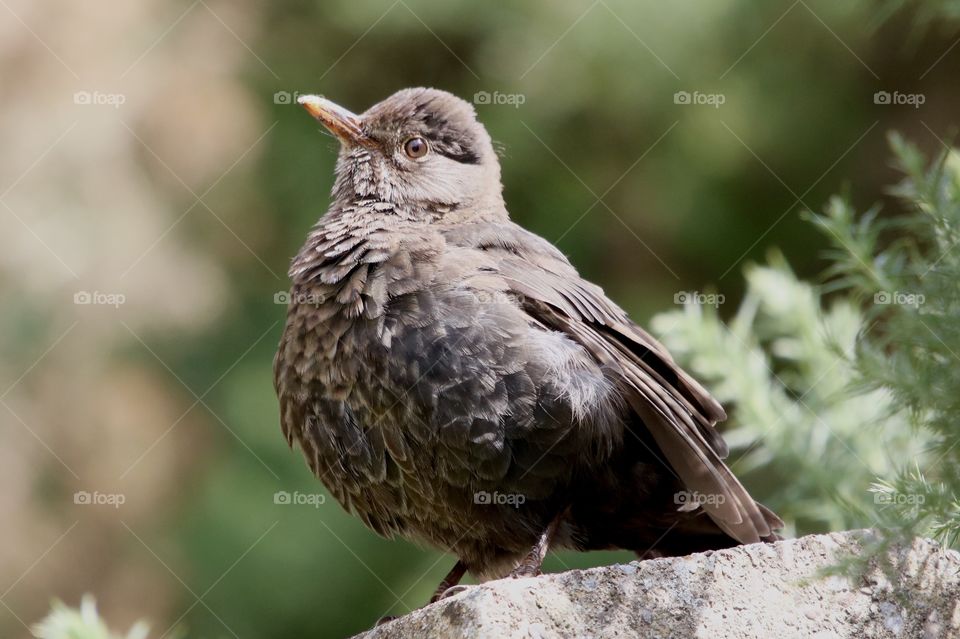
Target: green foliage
{"x":65,"y":622}
{"x":863,"y":385}
{"x":911,"y":342}
{"x":925,"y":13}
{"x":784,"y":363}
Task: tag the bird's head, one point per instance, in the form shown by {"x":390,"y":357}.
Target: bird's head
{"x":420,"y":149}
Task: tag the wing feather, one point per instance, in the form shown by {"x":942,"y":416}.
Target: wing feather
{"x":678,"y":412}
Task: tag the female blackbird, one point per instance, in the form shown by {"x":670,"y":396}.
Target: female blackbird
{"x":452,"y":379}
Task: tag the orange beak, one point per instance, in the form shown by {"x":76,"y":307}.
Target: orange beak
{"x":344,"y":124}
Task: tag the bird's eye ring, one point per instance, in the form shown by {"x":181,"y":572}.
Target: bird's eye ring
{"x":415,"y":148}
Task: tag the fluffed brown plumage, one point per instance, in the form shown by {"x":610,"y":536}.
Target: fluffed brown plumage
{"x":435,"y":353}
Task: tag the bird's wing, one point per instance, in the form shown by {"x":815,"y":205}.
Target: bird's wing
{"x":679,"y":413}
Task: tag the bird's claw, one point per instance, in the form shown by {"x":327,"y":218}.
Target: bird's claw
{"x":525,"y":570}
{"x":451,"y":591}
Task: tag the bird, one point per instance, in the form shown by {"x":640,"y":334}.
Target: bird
{"x":452,"y":379}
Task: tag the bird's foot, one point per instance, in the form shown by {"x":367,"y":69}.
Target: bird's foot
{"x":441,"y":594}
{"x":449,"y":582}
{"x":449,"y":592}
{"x":529,"y":566}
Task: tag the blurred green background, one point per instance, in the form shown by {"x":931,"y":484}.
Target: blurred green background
{"x":156,"y":180}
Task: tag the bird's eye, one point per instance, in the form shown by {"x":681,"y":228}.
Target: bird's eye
{"x":415,"y":148}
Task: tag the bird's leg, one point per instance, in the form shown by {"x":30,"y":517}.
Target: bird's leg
{"x":452,"y":579}
{"x":530,"y":565}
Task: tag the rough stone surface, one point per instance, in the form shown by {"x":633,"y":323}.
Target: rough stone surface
{"x":763,"y":590}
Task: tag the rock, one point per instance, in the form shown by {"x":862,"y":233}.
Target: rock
{"x":762,"y":591}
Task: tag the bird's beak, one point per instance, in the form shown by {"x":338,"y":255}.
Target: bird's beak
{"x":341,"y":122}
